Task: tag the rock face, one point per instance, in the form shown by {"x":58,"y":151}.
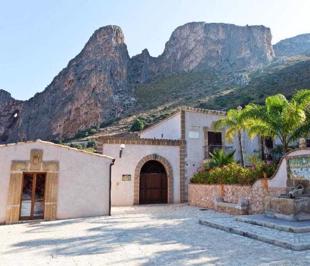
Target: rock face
{"x":91,"y":89}
{"x":98,"y":84}
{"x":298,"y":45}
{"x":9,"y":114}
{"x":201,"y":46}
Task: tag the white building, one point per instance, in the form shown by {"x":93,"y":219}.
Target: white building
{"x":42,"y":180}
{"x":157,"y":166}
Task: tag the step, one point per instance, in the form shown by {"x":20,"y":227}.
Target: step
{"x":288,"y":240}
{"x":274,"y":223}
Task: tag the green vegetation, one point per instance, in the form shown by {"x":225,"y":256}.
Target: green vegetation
{"x":177,"y":89}
{"x":234,"y":124}
{"x":279,"y":118}
{"x":86,"y":133}
{"x":137,"y":125}
{"x":233,"y":173}
{"x":161,"y":96}
{"x":220,"y":158}
{"x":279,"y":77}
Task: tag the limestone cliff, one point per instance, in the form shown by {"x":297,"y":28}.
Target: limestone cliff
{"x":91,"y":89}
{"x":298,"y":45}
{"x":200,"y":46}
{"x":98,"y":85}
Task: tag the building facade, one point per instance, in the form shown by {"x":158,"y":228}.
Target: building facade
{"x":179,"y":143}
{"x":42,"y":180}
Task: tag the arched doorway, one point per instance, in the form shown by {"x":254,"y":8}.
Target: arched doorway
{"x":153,"y":183}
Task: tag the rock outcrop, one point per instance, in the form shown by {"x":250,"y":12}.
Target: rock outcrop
{"x":201,"y":46}
{"x":98,"y":84}
{"x":91,"y":89}
{"x":9,"y":114}
{"x":298,"y":45}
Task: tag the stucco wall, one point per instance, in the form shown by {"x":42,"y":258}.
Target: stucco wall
{"x":250,"y":147}
{"x":195,"y":121}
{"x":167,"y":129}
{"x":123,"y":191}
{"x":83,"y":183}
{"x":280,"y":178}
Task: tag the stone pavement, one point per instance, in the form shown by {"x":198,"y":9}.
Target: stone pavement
{"x":264,"y":232}
{"x":279,"y":224}
{"x":142,"y":235}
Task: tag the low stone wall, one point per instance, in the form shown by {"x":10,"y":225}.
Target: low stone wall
{"x":209,"y":196}
{"x":205,"y":195}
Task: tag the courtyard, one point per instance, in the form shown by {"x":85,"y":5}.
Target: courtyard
{"x":139,"y":235}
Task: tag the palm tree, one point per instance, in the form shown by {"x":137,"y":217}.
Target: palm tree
{"x":220,"y":158}
{"x":277,"y":118}
{"x":233,"y":125}
{"x":302,"y":97}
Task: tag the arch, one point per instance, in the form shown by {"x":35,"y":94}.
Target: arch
{"x":168,"y":169}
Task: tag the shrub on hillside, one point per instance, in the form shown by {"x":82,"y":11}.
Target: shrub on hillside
{"x":137,"y":125}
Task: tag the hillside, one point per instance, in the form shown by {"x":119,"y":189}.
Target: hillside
{"x":162,"y":96}
{"x":298,"y":45}
{"x":211,"y":65}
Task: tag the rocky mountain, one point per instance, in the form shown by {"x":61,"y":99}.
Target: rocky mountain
{"x":298,"y":45}
{"x":103,"y":84}
{"x":91,"y":89}
{"x":201,"y":46}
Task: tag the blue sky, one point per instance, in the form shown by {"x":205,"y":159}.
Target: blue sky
{"x":38,"y":38}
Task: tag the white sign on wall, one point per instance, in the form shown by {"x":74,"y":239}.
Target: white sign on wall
{"x":126,"y":177}
{"x":193,"y":134}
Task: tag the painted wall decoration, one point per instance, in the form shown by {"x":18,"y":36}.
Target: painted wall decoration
{"x":299,"y":167}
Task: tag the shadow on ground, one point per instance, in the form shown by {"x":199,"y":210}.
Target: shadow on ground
{"x":142,"y":235}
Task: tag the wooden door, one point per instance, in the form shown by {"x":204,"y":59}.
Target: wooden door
{"x":32,"y":196}
{"x":50,"y":205}
{"x":153,"y":188}
{"x":13,"y":207}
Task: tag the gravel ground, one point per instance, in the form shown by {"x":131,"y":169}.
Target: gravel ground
{"x":142,"y":235}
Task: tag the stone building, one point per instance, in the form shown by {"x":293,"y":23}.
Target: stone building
{"x":157,"y":166}
{"x":42,"y":180}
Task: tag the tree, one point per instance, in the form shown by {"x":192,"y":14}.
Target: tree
{"x":137,"y":125}
{"x":233,"y":125}
{"x":302,"y":97}
{"x":278,"y":118}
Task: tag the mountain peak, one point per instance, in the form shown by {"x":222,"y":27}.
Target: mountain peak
{"x":112,"y":32}
{"x":5,"y":97}
{"x":102,"y":83}
{"x":298,"y":45}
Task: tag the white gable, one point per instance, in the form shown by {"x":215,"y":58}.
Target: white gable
{"x":169,"y":128}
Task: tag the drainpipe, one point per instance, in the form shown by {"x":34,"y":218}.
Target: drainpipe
{"x":110,"y":184}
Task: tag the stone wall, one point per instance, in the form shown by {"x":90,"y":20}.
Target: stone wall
{"x":205,"y":195}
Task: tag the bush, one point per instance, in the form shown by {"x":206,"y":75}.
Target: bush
{"x":220,"y":158}
{"x":233,"y":173}
{"x":91,"y":144}
{"x":137,"y":125}
{"x":77,"y":146}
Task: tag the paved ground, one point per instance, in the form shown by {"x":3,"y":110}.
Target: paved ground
{"x":152,"y":235}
